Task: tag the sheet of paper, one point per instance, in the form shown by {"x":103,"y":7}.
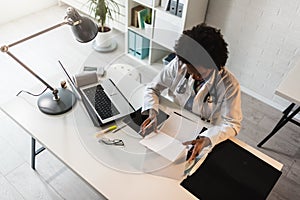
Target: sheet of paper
{"x":181,"y":128}
{"x":164,"y":145}
{"x":168,"y":142}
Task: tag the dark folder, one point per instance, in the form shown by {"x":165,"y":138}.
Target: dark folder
{"x":232,"y":172}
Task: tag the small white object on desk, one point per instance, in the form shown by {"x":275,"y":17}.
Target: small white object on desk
{"x":100,"y":71}
{"x":86,"y":78}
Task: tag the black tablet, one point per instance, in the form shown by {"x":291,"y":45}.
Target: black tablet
{"x":135,"y":120}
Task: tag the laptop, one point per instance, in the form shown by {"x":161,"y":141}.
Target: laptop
{"x":104,"y":101}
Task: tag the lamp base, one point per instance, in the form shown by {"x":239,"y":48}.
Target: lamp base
{"x":48,"y":105}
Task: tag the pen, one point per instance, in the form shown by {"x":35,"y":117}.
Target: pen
{"x":119,"y":128}
{"x":183,"y":116}
{"x":106,"y":130}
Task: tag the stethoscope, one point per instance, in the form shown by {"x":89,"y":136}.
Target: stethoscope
{"x":181,"y":88}
{"x":211,"y":96}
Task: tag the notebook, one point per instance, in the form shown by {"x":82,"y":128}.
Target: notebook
{"x":234,"y":173}
{"x":104,"y":101}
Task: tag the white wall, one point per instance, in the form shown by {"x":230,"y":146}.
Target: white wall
{"x":264,"y":42}
{"x":13,"y":9}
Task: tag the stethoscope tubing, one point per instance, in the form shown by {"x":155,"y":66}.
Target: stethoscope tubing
{"x":210,"y":97}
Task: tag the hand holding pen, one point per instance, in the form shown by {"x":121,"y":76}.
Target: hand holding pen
{"x":198,"y":145}
{"x":149,"y":122}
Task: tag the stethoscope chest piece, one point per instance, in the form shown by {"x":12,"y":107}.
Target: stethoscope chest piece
{"x":210,"y":99}
{"x":183,"y":84}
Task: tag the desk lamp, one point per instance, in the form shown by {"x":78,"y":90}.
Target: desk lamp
{"x":60,"y":100}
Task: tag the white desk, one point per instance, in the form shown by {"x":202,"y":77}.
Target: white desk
{"x":59,"y":135}
{"x":289,"y":89}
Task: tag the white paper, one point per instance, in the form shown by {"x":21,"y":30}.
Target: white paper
{"x":164,"y":145}
{"x":168,"y":142}
{"x":181,"y":128}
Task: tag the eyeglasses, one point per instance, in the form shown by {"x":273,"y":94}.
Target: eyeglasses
{"x":107,"y":141}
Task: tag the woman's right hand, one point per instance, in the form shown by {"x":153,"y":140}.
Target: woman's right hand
{"x":149,"y":122}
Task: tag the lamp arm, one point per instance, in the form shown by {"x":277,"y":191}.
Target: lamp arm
{"x":28,"y":69}
{"x":5,"y":48}
{"x":37,"y":34}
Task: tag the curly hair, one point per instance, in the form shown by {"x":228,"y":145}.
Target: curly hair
{"x":202,"y":46}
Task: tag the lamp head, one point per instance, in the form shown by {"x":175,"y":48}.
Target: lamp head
{"x":83,"y":28}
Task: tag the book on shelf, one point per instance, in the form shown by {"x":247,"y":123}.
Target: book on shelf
{"x":141,"y":17}
{"x":165,"y":4}
{"x":173,"y":7}
{"x":134,"y":15}
{"x":180,"y":5}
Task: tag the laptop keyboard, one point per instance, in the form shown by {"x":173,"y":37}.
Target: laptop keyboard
{"x":103,"y":105}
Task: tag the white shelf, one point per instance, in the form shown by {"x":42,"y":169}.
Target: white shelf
{"x":166,"y":27}
{"x":142,"y":32}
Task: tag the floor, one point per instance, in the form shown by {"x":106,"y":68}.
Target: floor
{"x":52,"y":179}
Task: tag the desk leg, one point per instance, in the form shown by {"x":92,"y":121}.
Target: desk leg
{"x":285,"y":118}
{"x":34,"y":153}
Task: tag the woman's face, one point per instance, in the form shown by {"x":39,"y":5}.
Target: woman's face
{"x":199,"y":73}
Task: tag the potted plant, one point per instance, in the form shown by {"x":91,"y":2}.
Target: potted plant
{"x":147,"y":21}
{"x":148,"y":17}
{"x":101,"y":10}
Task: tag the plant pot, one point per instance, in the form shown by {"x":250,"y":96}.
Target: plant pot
{"x":148,"y":28}
{"x":104,"y":41}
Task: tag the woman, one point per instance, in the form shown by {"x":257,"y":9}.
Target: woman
{"x":198,"y":81}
